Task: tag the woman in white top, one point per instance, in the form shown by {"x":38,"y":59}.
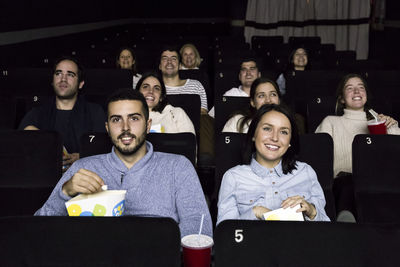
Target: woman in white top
{"x":351,"y":106}
{"x":165,"y":118}
{"x":126,"y":60}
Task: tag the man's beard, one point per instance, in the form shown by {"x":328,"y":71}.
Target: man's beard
{"x":69,"y":95}
{"x":128,"y":151}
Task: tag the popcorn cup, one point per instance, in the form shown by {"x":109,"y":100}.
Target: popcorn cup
{"x":104,"y":203}
{"x":377,"y":127}
{"x":197,"y":250}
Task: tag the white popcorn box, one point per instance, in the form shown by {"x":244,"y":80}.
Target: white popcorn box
{"x":281,"y":214}
{"x":105,"y":203}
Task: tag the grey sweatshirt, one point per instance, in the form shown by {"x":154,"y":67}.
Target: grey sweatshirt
{"x":158,"y":185}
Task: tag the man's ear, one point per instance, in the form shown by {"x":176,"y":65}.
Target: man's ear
{"x":81,"y":84}
{"x":148,"y":125}
{"x":106,"y":125}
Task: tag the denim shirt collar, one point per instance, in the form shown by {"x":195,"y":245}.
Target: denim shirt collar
{"x":262,"y":171}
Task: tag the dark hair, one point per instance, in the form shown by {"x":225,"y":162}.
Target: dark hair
{"x":291,"y":55}
{"x":340,"y":91}
{"x":251,"y":56}
{"x":134,"y":65}
{"x":163,"y":98}
{"x":171,"y":48}
{"x":289,"y":158}
{"x":81,"y":72}
{"x":128,"y":94}
{"x":249,"y":112}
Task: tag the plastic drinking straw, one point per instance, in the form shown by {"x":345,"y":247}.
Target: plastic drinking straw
{"x":374,"y":114}
{"x":201,"y":223}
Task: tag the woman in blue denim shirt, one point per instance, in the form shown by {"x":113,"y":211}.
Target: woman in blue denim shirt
{"x":272,"y":178}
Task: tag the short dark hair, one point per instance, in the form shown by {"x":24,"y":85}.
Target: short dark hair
{"x":163,"y":99}
{"x":128,"y":94}
{"x":81,"y":71}
{"x":171,"y":48}
{"x":134,"y":65}
{"x":290,"y":157}
{"x":249,"y":56}
{"x":339,"y":110}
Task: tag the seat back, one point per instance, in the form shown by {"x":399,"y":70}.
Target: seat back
{"x":8,"y":107}
{"x":106,"y":81}
{"x":320,"y":158}
{"x":318,"y":108}
{"x":228,"y":153}
{"x":224,"y":80}
{"x":202,"y":77}
{"x":89,"y":241}
{"x":30,"y":158}
{"x":303,"y":85}
{"x":95,"y":143}
{"x":225,"y":106}
{"x":259,"y":243}
{"x":176,"y":143}
{"x":191,"y":104}
{"x":376,"y":175}
{"x":30,"y":167}
{"x":20,"y":81}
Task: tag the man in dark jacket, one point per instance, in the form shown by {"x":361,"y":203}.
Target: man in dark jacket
{"x":67,"y":113}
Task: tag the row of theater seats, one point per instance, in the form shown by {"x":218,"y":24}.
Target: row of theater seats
{"x":30,"y":163}
{"x":220,"y":54}
{"x":30,"y":166}
{"x":375,"y":170}
{"x":135,"y":241}
{"x":25,"y":88}
{"x":310,"y":93}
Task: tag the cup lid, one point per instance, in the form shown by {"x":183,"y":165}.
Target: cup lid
{"x":196,"y":241}
{"x":374,"y":122}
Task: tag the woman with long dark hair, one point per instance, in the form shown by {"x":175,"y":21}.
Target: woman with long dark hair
{"x":126,"y":59}
{"x":272,"y":177}
{"x":165,"y":118}
{"x":262,"y":91}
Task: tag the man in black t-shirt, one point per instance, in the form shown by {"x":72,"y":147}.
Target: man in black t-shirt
{"x":67,"y":113}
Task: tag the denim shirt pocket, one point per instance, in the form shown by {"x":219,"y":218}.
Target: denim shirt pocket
{"x":247,"y":201}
